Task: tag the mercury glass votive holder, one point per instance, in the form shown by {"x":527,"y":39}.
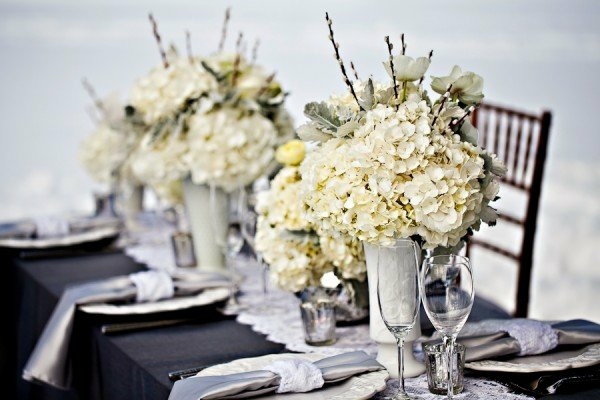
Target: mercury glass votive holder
{"x":437,"y":371}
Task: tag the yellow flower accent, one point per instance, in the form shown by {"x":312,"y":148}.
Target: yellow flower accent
{"x":292,"y":153}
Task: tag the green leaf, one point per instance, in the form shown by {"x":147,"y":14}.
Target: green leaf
{"x":368,"y":96}
{"x":323,"y":115}
{"x":309,"y":133}
{"x":211,"y":71}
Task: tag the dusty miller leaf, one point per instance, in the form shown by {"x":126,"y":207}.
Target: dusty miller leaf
{"x":309,"y":133}
{"x":322,"y":115}
{"x":368,"y":96}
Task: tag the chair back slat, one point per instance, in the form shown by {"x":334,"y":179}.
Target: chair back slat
{"x":520,"y":140}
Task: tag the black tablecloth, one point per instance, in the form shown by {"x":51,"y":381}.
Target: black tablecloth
{"x":128,"y":365}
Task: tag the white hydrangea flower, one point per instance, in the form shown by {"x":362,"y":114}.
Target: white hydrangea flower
{"x":164,"y":91}
{"x":397,"y":176}
{"x":297,"y":254}
{"x":229,"y":148}
{"x":103,"y":152}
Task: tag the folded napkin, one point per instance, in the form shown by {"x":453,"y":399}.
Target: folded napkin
{"x":495,"y":338}
{"x":49,"y":362}
{"x":289,"y":375}
{"x":46,"y":227}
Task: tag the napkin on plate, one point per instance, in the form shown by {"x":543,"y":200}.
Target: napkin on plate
{"x":49,"y":361}
{"x":496,"y":338}
{"x":289,"y":375}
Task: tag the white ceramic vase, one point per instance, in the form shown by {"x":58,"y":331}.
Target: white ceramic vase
{"x":129,"y":203}
{"x":208,"y":220}
{"x":387,"y":348}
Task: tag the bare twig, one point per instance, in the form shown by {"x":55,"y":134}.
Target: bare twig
{"x":92,"y":93}
{"x":255,"y":51}
{"x":423,"y":77}
{"x":354,"y":70}
{"x":188,"y":43}
{"x":403,"y":44}
{"x":163,"y":55}
{"x":236,"y":70}
{"x":459,"y":121}
{"x":238,"y":43}
{"x":224,"y":29}
{"x":336,"y":48}
{"x":266,"y":85}
{"x":390,"y":47}
{"x":442,"y":103}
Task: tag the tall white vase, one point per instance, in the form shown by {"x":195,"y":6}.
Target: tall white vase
{"x":208,"y":223}
{"x":129,"y":203}
{"x":387,"y":349}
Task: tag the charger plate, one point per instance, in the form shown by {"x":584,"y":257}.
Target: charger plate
{"x":204,"y":298}
{"x":358,"y":387}
{"x":585,"y":357}
{"x":93,"y":235}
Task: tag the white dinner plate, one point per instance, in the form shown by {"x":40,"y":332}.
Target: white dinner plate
{"x":206,"y":297}
{"x":72,"y":239}
{"x":589,"y":355}
{"x":358,"y":387}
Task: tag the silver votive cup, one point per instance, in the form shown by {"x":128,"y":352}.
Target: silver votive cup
{"x":318,"y":318}
{"x":437,"y":372}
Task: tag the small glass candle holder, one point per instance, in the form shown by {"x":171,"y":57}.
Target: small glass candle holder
{"x":437,"y":372}
{"x":183,"y":249}
{"x":318,"y":316}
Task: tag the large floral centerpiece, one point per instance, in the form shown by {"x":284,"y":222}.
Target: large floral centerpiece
{"x":215,"y":119}
{"x":298,"y":253}
{"x":396,"y":162}
{"x":105,"y":152}
{"x":213,"y":124}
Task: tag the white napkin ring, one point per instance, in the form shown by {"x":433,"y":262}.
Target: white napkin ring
{"x":296,"y":375}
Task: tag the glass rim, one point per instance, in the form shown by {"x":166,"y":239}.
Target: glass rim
{"x":439,"y":347}
{"x":433,"y":259}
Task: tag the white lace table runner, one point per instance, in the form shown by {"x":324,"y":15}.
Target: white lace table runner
{"x":277,"y":316}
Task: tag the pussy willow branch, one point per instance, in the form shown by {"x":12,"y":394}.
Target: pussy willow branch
{"x":265,"y":85}
{"x":255,"y":51}
{"x":423,"y":77}
{"x":390,"y":47}
{"x":163,"y":55}
{"x":459,"y":121}
{"x":442,"y":103}
{"x":336,"y":48}
{"x":224,"y":29}
{"x":188,"y":44}
{"x":354,"y":70}
{"x":92,"y":93}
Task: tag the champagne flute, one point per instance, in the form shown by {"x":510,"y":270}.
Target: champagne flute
{"x":234,"y":245}
{"x":248,"y":225}
{"x":447,"y":292}
{"x":398,"y":295}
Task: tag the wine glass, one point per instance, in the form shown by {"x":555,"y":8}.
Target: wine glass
{"x":398,"y":295}
{"x":447,"y":292}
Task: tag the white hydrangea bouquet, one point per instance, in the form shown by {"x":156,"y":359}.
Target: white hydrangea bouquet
{"x":105,"y":153}
{"x":297,"y":252}
{"x":214,"y":119}
{"x":394,"y":162}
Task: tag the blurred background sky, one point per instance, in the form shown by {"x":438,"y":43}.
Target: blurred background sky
{"x":532,"y":54}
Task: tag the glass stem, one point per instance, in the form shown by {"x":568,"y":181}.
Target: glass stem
{"x":449,"y":350}
{"x":400,"y":342}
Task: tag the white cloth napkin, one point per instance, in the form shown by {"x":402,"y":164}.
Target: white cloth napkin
{"x":46,"y":227}
{"x":152,"y":286}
